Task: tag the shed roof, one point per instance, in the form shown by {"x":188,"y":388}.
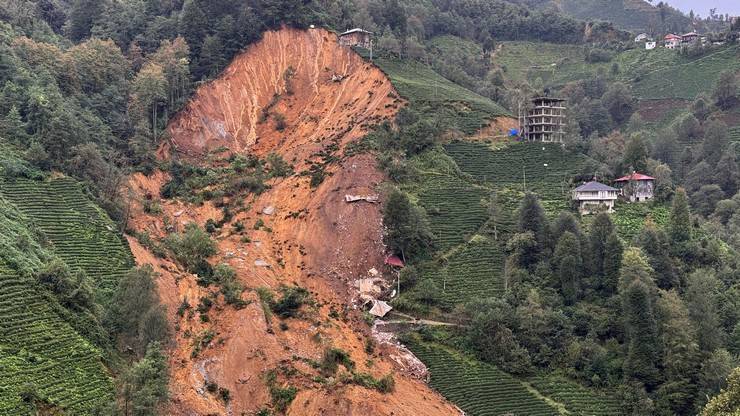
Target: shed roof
{"x":357,"y":29}
{"x":671,"y":36}
{"x":594,"y":186}
{"x":635,"y":176}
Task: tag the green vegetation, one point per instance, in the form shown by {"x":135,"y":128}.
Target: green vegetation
{"x":478,"y":388}
{"x":654,"y":74}
{"x":79,"y":232}
{"x":40,"y":353}
{"x":473,"y":270}
{"x":576,"y":399}
{"x":438,"y":98}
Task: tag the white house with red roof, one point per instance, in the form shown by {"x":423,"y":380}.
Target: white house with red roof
{"x":672,"y":41}
{"x":636,"y":187}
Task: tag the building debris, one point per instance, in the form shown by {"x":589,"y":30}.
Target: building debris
{"x":373,"y":272}
{"x":380,"y":308}
{"x":373,"y":199}
{"x":337,"y":77}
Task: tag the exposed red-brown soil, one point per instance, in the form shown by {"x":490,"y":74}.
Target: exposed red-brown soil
{"x":324,"y":246}
{"x":653,"y":111}
{"x":495,"y":131}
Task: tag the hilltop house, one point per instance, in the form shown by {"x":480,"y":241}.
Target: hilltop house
{"x":672,"y":41}
{"x":636,"y":187}
{"x":357,"y":37}
{"x":650,"y":45}
{"x":594,"y":196}
{"x":641,"y":37}
{"x":690,"y":37}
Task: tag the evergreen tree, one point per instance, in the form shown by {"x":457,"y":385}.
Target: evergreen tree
{"x":702,"y":300}
{"x":82,"y":16}
{"x":12,"y":127}
{"x":727,"y":175}
{"x":727,"y":91}
{"x":680,"y":221}
{"x":568,"y":261}
{"x":407,"y":227}
{"x":612,"y":264}
{"x":193,"y":24}
{"x":641,"y":328}
{"x":715,"y":142}
{"x":636,"y":154}
{"x":680,"y":355}
{"x":619,"y":102}
{"x":654,"y":243}
{"x":601,"y":229}
{"x":211,"y":60}
{"x":532,"y":218}
{"x":568,"y":273}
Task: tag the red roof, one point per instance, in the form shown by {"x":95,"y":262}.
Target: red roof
{"x":671,"y":36}
{"x":394,"y":261}
{"x":635,"y":177}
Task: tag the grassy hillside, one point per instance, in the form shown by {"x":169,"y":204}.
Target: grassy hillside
{"x":656,"y":74}
{"x":431,"y":93}
{"x":44,"y":361}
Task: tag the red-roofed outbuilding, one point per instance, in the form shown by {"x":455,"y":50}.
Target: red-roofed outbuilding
{"x":394,"y":261}
{"x":636,"y":187}
{"x":634,"y":176}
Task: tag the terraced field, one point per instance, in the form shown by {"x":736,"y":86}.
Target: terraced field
{"x":547,"y":168}
{"x":474,"y":271}
{"x":80,"y":233}
{"x":735,"y":134}
{"x":438,"y":97}
{"x":42,"y":356}
{"x":477,"y":388}
{"x":687,"y":78}
{"x":455,"y":208}
{"x":577,"y":399}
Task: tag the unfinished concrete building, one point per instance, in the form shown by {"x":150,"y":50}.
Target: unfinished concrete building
{"x":545,"y":120}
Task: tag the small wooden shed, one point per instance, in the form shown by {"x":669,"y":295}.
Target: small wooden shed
{"x":357,"y":37}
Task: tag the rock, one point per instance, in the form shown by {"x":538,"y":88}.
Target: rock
{"x":261,"y":263}
{"x":268,"y":210}
{"x":178,"y":213}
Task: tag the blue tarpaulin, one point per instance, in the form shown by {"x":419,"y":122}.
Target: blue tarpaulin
{"x":513,"y":132}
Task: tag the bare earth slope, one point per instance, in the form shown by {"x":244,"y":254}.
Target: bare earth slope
{"x":323,"y":246}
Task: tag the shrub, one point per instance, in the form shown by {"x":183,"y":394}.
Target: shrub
{"x":333,"y":357}
{"x":279,"y":121}
{"x":291,"y":300}
{"x":192,"y":248}
{"x":278,"y":166}
{"x":386,"y":384}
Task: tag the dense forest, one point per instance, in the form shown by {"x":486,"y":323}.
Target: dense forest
{"x":88,"y":88}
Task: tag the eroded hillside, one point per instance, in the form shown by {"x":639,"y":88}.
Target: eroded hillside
{"x":300,"y":95}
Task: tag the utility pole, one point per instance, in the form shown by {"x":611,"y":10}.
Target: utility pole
{"x":524,"y":170}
